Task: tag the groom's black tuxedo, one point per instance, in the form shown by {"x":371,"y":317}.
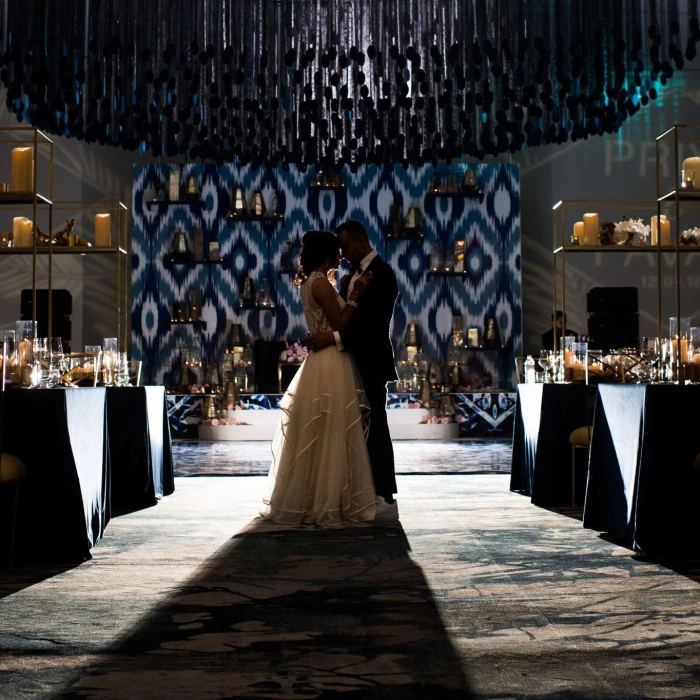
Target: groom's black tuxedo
{"x":367,"y":338}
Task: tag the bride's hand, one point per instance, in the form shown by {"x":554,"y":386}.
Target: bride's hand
{"x":361,"y":283}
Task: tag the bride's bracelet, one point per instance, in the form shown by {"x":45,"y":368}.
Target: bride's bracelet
{"x":353,"y":303}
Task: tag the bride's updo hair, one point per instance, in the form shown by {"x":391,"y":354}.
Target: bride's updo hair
{"x":316,"y":248}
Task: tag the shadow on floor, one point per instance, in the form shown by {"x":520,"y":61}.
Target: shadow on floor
{"x":18,"y":578}
{"x":291,"y":613}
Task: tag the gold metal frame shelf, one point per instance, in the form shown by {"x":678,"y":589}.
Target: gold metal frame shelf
{"x":679,"y":199}
{"x":180,"y":202}
{"x":560,"y":249}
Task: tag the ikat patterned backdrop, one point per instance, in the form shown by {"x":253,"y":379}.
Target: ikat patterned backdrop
{"x":491,"y":228}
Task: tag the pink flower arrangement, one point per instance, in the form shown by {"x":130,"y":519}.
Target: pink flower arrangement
{"x":295,"y":353}
{"x":434,"y":420}
{"x":223,"y":421}
{"x":415,"y":404}
{"x":236,"y":407}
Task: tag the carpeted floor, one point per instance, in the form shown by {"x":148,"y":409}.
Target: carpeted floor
{"x":476,"y":593}
{"x":194,"y":458}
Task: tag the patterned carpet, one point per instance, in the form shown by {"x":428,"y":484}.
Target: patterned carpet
{"x":194,"y":458}
{"x":476,"y":593}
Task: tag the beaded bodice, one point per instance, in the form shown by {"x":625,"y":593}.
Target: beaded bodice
{"x":315,"y":318}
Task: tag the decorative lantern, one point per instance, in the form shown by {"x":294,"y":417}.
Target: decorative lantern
{"x":469,"y":183}
{"x":459,"y":255}
{"x":174,"y":185}
{"x":258,"y":204}
{"x":247,"y":297}
{"x":192,"y":190}
{"x":411,"y":342}
{"x":264,"y":297}
{"x":240,"y":208}
{"x":180,"y":250}
{"x":395,"y":216}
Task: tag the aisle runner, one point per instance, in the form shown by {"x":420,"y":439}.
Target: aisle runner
{"x":412,"y":457}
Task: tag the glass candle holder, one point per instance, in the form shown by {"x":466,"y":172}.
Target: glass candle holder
{"x":688,"y":179}
{"x":694,"y":346}
{"x":580,"y":362}
{"x":679,"y":330}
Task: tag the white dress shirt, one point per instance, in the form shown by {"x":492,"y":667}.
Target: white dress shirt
{"x":364,"y":264}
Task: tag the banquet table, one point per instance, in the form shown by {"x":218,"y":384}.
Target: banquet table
{"x":545,"y":416}
{"x":643,"y":484}
{"x":140,"y":448}
{"x":60,"y":436}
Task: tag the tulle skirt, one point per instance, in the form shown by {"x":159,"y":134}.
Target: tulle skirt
{"x":320,"y":470}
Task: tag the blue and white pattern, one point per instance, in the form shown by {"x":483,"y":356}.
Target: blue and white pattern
{"x":491,"y":228}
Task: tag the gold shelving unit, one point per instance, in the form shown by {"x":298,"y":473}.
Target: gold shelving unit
{"x":671,"y":195}
{"x":615,"y":208}
{"x":37,"y":202}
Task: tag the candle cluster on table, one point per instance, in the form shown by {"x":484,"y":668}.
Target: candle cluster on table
{"x":43,"y":363}
{"x":658,"y":360}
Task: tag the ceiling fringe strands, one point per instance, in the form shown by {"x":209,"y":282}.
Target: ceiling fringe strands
{"x":319,"y":83}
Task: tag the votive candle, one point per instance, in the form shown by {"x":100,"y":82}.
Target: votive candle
{"x":579,"y":233}
{"x":22,"y":178}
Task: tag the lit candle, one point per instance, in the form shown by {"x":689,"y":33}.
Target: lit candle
{"x":103,"y":230}
{"x":665,"y":231}
{"x":590,"y":229}
{"x":22,"y":232}
{"x":684,"y":349}
{"x":693,"y":164}
{"x":569,"y":358}
{"x":579,"y":233}
{"x":22,"y":178}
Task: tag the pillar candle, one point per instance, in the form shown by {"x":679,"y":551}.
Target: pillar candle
{"x":22,"y":178}
{"x":665,"y":231}
{"x":22,"y":232}
{"x":590,"y":229}
{"x":693,"y":164}
{"x":103,"y":230}
{"x":684,"y":349}
{"x":569,"y":358}
{"x":579,"y":232}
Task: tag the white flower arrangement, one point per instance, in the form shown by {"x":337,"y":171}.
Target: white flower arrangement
{"x":631,"y":231}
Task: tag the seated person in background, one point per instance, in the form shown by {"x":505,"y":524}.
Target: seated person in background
{"x":559,"y":323}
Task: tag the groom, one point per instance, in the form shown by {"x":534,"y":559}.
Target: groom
{"x":367,"y":338}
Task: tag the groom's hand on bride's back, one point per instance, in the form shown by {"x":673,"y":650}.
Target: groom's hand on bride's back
{"x":320,"y":341}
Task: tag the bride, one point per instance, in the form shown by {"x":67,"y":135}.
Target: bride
{"x":320,"y":470}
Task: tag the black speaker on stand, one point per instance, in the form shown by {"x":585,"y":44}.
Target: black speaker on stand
{"x":613,"y":318}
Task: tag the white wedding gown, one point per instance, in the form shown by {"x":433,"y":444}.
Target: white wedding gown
{"x":320,"y":471}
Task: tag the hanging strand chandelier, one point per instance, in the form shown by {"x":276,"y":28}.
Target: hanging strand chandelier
{"x":329,"y":82}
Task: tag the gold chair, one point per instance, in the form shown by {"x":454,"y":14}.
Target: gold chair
{"x":12,"y":470}
{"x":580,"y":439}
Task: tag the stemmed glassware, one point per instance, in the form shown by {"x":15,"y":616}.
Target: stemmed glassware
{"x":547,"y":362}
{"x":40,"y":352}
{"x":110,"y":360}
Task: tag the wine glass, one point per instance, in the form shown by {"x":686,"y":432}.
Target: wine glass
{"x":546,"y":362}
{"x":109,"y":360}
